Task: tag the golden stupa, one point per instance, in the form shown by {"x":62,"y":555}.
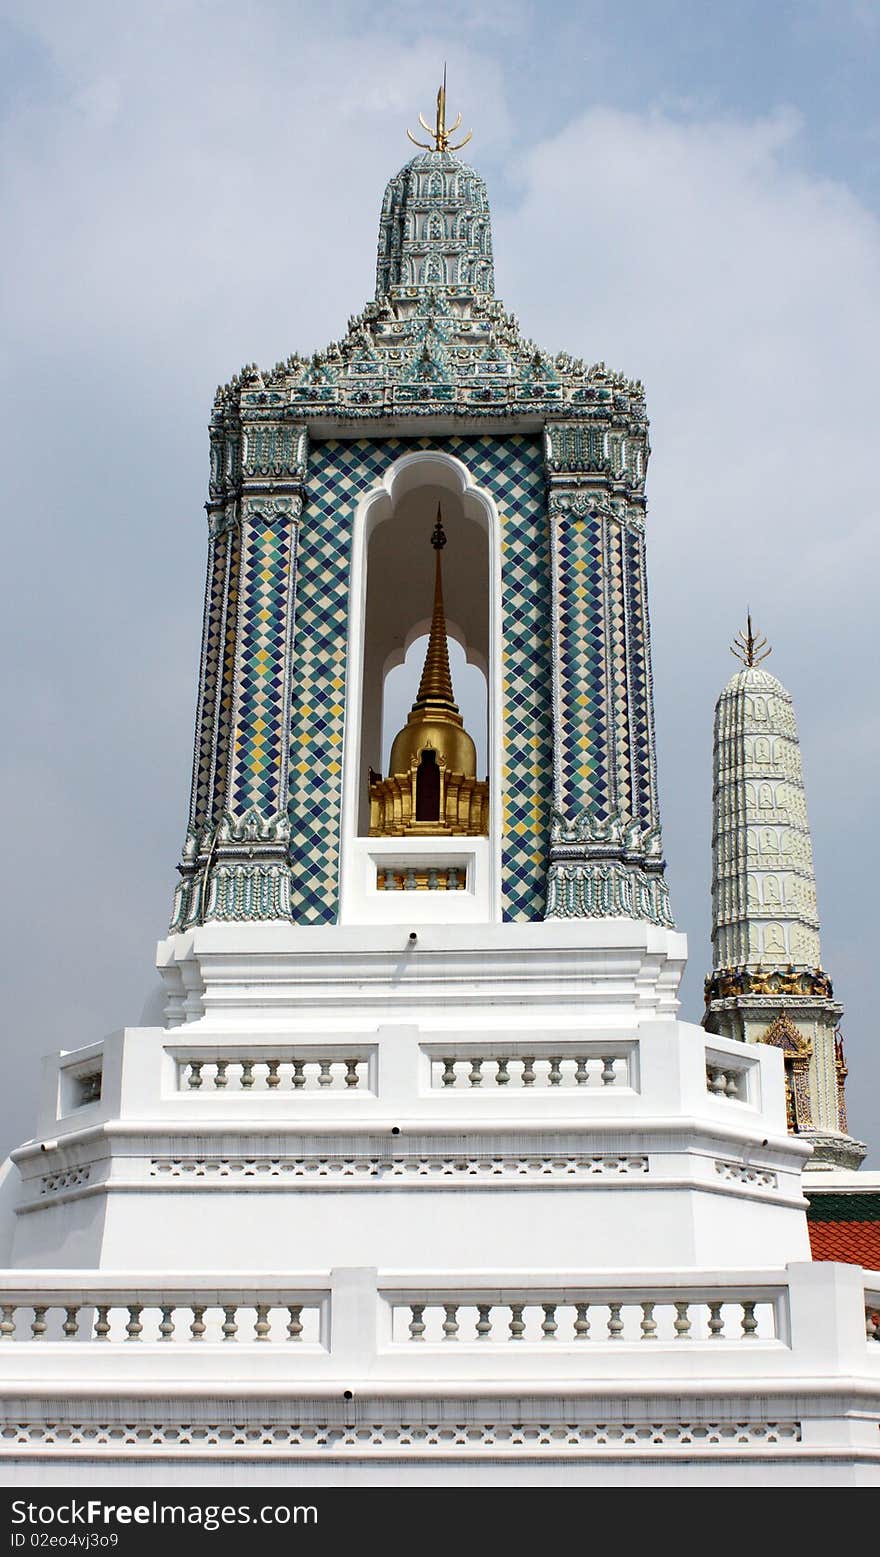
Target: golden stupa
{"x":432,"y":787}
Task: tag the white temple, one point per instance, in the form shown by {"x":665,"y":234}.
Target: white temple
{"x":423,"y":1181}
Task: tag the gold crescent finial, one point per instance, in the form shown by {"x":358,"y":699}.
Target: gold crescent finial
{"x":440,"y":132}
{"x":750,"y":647}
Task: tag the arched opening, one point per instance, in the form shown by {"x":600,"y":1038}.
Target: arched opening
{"x":393,"y":613}
{"x":400,"y":563}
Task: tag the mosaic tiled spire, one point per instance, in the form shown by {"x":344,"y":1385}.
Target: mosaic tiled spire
{"x":435,"y":228}
{"x":293,"y":451}
{"x":767,"y":983}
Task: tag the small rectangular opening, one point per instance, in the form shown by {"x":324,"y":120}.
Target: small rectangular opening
{"x":85,"y":1088}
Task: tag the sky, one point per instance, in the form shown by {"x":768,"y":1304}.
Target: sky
{"x":687,"y":192}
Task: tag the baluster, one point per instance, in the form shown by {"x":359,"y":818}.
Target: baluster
{"x":7,"y":1322}
{"x":609,"y":1075}
{"x":452,"y":879}
{"x":247,"y":1074}
{"x":294,"y":1322}
{"x":351,"y":1073}
{"x":450,"y":1323}
{"x":102,"y":1322}
{"x":502,"y":1074}
{"x":229,"y":1327}
{"x":517,"y":1323}
{"x":731,"y":1084}
{"x":273,"y":1079}
{"x":682,"y":1324}
{"x":581,"y":1074}
{"x":262,"y":1328}
{"x":528,"y":1074}
{"x":475,"y":1074}
{"x":448,"y":1077}
{"x":299,"y":1079}
{"x":221,"y":1079}
{"x":615,"y":1323}
{"x":715,"y":1080}
{"x":484,"y":1321}
{"x":872,"y":1325}
{"x":39,"y":1326}
{"x":432,"y":880}
{"x":409,"y":879}
{"x":134,"y":1329}
{"x":194,"y":1075}
{"x":716,"y":1322}
{"x":548,"y":1324}
{"x":554,"y":1075}
{"x":325,"y":1078}
{"x":749,"y":1322}
{"x":417,"y":1322}
{"x":582,"y":1322}
{"x":649,"y":1323}
{"x":166,"y":1327}
{"x":198,"y":1327}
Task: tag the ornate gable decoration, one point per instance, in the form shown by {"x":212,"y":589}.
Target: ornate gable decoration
{"x":782,"y":1034}
{"x":433,"y":351}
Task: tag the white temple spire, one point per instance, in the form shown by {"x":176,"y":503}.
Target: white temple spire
{"x":767,"y":982}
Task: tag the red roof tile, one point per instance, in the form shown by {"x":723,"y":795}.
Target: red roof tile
{"x":853,"y":1243}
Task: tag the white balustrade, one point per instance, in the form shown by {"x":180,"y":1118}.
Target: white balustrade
{"x":573,"y":1319}
{"x":520,"y":1067}
{"x":236,"y":1073}
{"x":116,"y":1317}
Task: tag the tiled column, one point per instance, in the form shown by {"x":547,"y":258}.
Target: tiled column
{"x":235,"y":862}
{"x":605,"y":851}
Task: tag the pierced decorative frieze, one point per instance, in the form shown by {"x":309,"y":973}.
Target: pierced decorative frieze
{"x":754,"y":1178}
{"x":65,"y":1178}
{"x":433,"y":1435}
{"x":419,"y":1168}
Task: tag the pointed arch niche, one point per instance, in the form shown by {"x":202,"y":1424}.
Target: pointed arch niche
{"x":392,"y":586}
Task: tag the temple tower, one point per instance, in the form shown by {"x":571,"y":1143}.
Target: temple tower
{"x":325,"y":475}
{"x":767,"y":983}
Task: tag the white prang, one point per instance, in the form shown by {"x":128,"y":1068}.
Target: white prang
{"x":763,"y":887}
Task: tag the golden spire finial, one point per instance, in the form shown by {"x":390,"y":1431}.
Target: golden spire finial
{"x":436,"y":683}
{"x":440,"y":133}
{"x":749,"y":646}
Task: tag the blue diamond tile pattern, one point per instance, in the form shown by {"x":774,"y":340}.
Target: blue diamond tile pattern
{"x":585,"y":742}
{"x":640,"y":690}
{"x":211,"y":672}
{"x":339,"y":473}
{"x":258,"y":746}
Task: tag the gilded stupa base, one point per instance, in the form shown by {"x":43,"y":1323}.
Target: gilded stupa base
{"x":463,"y":806}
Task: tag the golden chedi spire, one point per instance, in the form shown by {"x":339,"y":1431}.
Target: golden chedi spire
{"x":432,"y":784}
{"x":435,"y":686}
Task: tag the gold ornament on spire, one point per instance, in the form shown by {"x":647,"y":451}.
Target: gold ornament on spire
{"x":750,"y":647}
{"x":440,"y":132}
{"x":432,"y":786}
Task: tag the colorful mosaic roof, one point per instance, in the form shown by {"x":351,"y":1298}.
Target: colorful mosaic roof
{"x":436,"y":338}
